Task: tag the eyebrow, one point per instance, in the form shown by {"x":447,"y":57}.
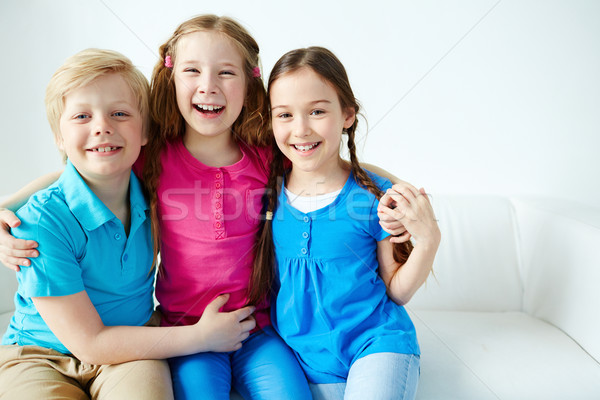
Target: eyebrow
{"x":312,"y":103}
{"x":221,"y":63}
{"x":117,"y":103}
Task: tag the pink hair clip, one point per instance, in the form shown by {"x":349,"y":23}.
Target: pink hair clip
{"x":256,"y":72}
{"x":168,"y":62}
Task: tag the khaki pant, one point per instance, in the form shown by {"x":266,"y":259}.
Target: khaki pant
{"x":32,"y":372}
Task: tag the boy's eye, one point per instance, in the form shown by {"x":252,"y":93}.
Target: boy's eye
{"x":120,"y":114}
{"x":81,"y":116}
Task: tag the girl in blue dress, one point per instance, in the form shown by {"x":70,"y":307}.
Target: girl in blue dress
{"x":340,"y":279}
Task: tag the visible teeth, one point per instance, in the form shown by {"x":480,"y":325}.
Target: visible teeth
{"x":207,"y":107}
{"x":305,"y":148}
{"x":104,"y":149}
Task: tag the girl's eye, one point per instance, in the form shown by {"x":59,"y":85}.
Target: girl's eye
{"x":120,"y":114}
{"x":317,"y":112}
{"x":81,"y":116}
{"x":190,"y":70}
{"x":284,"y":115}
{"x":226,"y":73}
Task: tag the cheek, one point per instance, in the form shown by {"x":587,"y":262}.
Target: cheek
{"x":239,"y":93}
{"x":183,"y":89}
{"x":279,"y":136}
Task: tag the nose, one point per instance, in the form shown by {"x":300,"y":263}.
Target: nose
{"x":207,"y":83}
{"x":301,"y":127}
{"x":102,"y":126}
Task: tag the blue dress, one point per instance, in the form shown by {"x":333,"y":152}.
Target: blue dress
{"x":331,"y":305}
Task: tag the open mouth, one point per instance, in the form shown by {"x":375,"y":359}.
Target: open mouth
{"x":104,"y":149}
{"x":209,"y":108}
{"x":307,"y":147}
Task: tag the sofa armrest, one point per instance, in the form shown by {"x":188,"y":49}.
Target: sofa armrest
{"x":560,"y":253}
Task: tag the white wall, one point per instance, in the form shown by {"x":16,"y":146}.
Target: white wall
{"x":488,"y":96}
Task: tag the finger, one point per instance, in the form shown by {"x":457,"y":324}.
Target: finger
{"x":398,"y":213}
{"x":385,"y":217}
{"x":215,"y":305}
{"x":13,"y":243}
{"x":10,"y":218}
{"x":425,"y":194}
{"x":244,"y":312}
{"x":396,"y":194}
{"x":248,"y":325}
{"x":386,"y":200}
{"x":21,"y":254}
{"x":405,"y":187}
{"x":395,"y":225}
{"x":405,"y":237}
{"x":14,"y":267}
{"x":409,"y":195}
{"x":25,"y":262}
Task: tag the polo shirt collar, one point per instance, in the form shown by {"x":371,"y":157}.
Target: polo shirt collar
{"x":89,"y":210}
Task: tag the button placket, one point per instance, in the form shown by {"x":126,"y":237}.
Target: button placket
{"x":217,"y":205}
{"x":305,"y":235}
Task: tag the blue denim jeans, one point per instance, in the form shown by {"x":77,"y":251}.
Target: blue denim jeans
{"x":379,"y":376}
{"x":264,"y":368}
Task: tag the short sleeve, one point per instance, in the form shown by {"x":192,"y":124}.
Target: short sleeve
{"x":56,"y":271}
{"x":375,"y":228}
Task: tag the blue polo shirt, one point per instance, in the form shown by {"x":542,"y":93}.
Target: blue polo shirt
{"x":331,"y":306}
{"x":83,"y":246}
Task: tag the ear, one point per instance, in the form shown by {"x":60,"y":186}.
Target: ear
{"x":144,"y":137}
{"x":58,"y":139}
{"x":350,"y":117}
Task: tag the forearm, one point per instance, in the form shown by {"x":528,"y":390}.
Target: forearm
{"x":118,"y":344}
{"x":409,"y":277}
{"x":16,"y":200}
{"x":381,"y":172}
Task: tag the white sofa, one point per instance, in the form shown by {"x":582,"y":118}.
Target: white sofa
{"x":513,"y":311}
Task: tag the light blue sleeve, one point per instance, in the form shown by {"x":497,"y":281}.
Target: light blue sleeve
{"x":56,"y":271}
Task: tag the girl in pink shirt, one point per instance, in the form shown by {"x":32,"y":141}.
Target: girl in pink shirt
{"x":205,"y":168}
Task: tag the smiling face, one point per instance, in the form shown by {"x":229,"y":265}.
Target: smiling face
{"x":101,"y":128}
{"x":210,"y":82}
{"x":308,"y":120}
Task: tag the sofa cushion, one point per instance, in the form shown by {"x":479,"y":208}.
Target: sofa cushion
{"x":503,"y":355}
{"x":477,"y":266}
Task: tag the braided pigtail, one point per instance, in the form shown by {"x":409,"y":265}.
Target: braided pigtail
{"x":401,"y":250}
{"x":263,"y":272}
{"x":166,"y":123}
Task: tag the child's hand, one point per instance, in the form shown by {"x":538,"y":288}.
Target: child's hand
{"x":406,"y":212}
{"x":13,"y":251}
{"x":225,"y":331}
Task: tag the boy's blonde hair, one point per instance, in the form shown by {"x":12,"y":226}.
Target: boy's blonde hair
{"x":81,"y":69}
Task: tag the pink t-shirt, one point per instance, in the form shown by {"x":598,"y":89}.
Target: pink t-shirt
{"x":209,"y":220}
